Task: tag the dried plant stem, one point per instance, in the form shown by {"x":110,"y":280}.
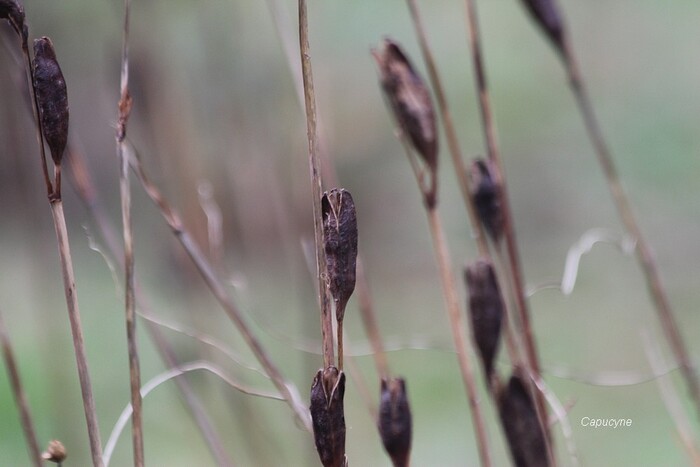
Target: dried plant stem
{"x":458,"y":328}
{"x":513,"y":255}
{"x":77,"y":331}
{"x":84,"y":187}
{"x":130,"y":302}
{"x":644,"y":252}
{"x":450,"y":132}
{"x":19,"y":395}
{"x":316,"y":187}
{"x":217,"y":288}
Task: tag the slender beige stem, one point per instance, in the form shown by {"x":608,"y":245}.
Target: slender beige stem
{"x":450,"y":132}
{"x":217,"y":288}
{"x":84,"y":187}
{"x":458,"y":332}
{"x":511,"y":244}
{"x":644,"y":252}
{"x":19,"y":395}
{"x":77,"y":331}
{"x":130,"y":302}
{"x":316,"y":187}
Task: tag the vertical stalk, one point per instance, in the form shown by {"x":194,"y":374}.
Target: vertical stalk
{"x":316,"y":187}
{"x":77,"y":331}
{"x":20,"y":396}
{"x":130,"y":302}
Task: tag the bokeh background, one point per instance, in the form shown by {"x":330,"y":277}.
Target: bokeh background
{"x":219,"y":125}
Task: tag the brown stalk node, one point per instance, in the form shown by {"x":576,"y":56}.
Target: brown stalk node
{"x":328,"y":417}
{"x":52,"y":98}
{"x":547,"y":16}
{"x":521,"y":425}
{"x":340,"y":245}
{"x":486,"y":195}
{"x":395,"y":424}
{"x":412,"y":106}
{"x":486,"y":310}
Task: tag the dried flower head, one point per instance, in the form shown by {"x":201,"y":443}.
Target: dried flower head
{"x":55,"y":452}
{"x":521,"y":425}
{"x":546,"y":14}
{"x":327,"y":415}
{"x":340,"y":244}
{"x":486,"y":194}
{"x":13,"y":12}
{"x":485,"y":310}
{"x":395,"y":425}
{"x":410,"y":100}
{"x":52,"y":97}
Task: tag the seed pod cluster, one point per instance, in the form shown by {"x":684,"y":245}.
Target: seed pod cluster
{"x":411,"y":104}
{"x":485,"y":310}
{"x":340,"y":245}
{"x":521,"y":425}
{"x":547,"y":16}
{"x":395,"y":426}
{"x":13,"y":12}
{"x":52,"y":97}
{"x":486,"y":194}
{"x":327,"y":415}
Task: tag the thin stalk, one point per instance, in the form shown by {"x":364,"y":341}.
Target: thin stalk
{"x":450,"y":132}
{"x":130,"y":302}
{"x":454,"y":314}
{"x":316,"y":187}
{"x":215,"y":284}
{"x":19,"y":395}
{"x":513,"y":254}
{"x":84,"y":187}
{"x":645,"y":256}
{"x":77,"y":331}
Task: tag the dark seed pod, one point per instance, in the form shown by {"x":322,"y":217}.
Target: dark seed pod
{"x":395,"y":425}
{"x":485,"y":310}
{"x":410,"y":100}
{"x":13,"y":12}
{"x":521,"y":425}
{"x":486,"y":193}
{"x":340,"y":244}
{"x":327,"y":415}
{"x":50,"y":88}
{"x":546,"y":14}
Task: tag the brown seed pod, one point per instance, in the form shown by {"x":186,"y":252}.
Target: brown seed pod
{"x":55,"y":452}
{"x":546,"y":14}
{"x":486,"y":194}
{"x":521,"y":425}
{"x":13,"y":12}
{"x":410,"y":100}
{"x":52,"y":97}
{"x":395,"y":426}
{"x":340,"y":244}
{"x":327,"y":415}
{"x":485,"y":310}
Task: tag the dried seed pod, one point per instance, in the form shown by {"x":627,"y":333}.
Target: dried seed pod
{"x":51,"y":95}
{"x":55,"y":452}
{"x":327,"y":415}
{"x":13,"y":12}
{"x":521,"y":425}
{"x":486,"y":194}
{"x":546,"y":14}
{"x":410,"y":100}
{"x":340,"y":244}
{"x":395,"y":425}
{"x":485,"y":310}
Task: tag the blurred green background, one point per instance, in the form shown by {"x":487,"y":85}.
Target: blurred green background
{"x":216,"y":112}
